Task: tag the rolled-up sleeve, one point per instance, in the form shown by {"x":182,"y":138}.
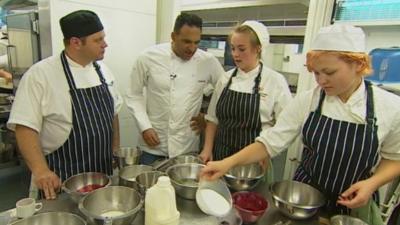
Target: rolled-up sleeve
{"x":135,"y":99}
{"x":391,"y":144}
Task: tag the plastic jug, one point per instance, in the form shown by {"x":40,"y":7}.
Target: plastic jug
{"x":160,"y":204}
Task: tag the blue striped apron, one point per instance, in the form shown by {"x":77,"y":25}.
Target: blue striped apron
{"x":89,"y":145}
{"x":239,"y":120}
{"x":337,"y":153}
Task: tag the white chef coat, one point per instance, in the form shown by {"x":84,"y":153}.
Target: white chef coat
{"x":274,"y":93}
{"x":174,"y":91}
{"x":292,"y":118}
{"x":43,"y":101}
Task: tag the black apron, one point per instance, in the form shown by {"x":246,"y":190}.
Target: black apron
{"x":89,"y":145}
{"x":337,"y":153}
{"x":239,"y":120}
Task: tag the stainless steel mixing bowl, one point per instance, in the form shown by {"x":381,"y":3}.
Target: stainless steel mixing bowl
{"x":127,"y":156}
{"x":185,"y":179}
{"x":79,"y":181}
{"x":127,"y":175}
{"x":114,"y":205}
{"x":295,"y":199}
{"x":147,"y":179}
{"x":346,"y":220}
{"x":242,"y":178}
{"x":51,"y":218}
{"x":182,"y":159}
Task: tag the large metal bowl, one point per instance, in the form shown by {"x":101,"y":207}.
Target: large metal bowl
{"x":185,"y":179}
{"x":346,"y":220}
{"x":73,"y":184}
{"x":295,"y":199}
{"x":243,"y":178}
{"x":127,"y":156}
{"x":115,"y":205}
{"x":51,"y":218}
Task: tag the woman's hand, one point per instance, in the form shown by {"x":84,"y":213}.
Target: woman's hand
{"x":358,"y":194}
{"x":205,"y":155}
{"x":215,"y":169}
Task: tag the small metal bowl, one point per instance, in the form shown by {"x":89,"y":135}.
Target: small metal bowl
{"x":51,"y":218}
{"x":115,"y":205}
{"x":243,"y":178}
{"x":127,"y":156}
{"x":147,"y":179}
{"x":183,"y":159}
{"x":185,"y":179}
{"x":295,"y":199}
{"x":128,"y":174}
{"x":346,"y":220}
{"x":74,"y":184}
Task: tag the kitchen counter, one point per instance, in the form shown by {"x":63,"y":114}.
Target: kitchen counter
{"x":190,"y":213}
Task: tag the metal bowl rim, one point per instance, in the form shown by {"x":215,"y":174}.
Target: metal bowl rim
{"x":346,"y":216}
{"x":127,"y":213}
{"x":132,"y":166}
{"x":58,"y":212}
{"x":276,"y":197}
{"x":183,"y":165}
{"x":68,"y":191}
{"x":229,"y":175}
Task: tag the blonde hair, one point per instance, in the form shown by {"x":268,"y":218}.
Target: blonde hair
{"x":244,"y":29}
{"x":349,"y":57}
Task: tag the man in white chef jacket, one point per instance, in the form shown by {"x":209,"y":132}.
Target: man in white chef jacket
{"x":65,"y":110}
{"x":174,"y":75}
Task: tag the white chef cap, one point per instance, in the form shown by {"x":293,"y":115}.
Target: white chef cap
{"x":260,"y":30}
{"x":339,"y":37}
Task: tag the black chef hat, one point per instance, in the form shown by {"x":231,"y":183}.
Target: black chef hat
{"x":80,"y":23}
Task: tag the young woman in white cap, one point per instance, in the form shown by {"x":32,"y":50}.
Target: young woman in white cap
{"x":350,"y":128}
{"x":247,"y":99}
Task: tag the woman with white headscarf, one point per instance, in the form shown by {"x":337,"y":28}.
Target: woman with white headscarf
{"x":350,"y":128}
{"x":247,"y":99}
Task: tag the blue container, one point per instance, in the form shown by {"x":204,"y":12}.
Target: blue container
{"x":386,"y":65}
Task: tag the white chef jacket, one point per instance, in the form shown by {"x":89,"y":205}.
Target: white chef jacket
{"x":292,"y":118}
{"x":43,"y":101}
{"x":174,"y":91}
{"x":274,"y":93}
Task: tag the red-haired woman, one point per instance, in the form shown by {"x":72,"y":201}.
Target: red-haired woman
{"x":350,"y":128}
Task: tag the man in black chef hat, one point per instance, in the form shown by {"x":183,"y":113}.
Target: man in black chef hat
{"x":65,"y":110}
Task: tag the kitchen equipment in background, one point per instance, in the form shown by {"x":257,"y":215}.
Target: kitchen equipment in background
{"x":214,"y":198}
{"x":82,"y":184}
{"x":295,"y":199}
{"x":113,"y":205}
{"x":51,"y":218}
{"x":185,"y":179}
{"x":127,"y":156}
{"x":165,"y":213}
{"x":24,"y":48}
{"x":7,"y":145}
{"x":386,"y":66}
{"x":346,"y":220}
{"x":242,"y":178}
{"x":250,"y":205}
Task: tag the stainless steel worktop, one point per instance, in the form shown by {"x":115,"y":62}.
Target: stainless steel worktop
{"x":190,"y":213}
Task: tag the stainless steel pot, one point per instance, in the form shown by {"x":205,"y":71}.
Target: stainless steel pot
{"x":51,"y":218}
{"x":114,"y":205}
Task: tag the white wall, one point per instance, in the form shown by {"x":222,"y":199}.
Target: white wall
{"x":382,"y":36}
{"x":130,"y":27}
